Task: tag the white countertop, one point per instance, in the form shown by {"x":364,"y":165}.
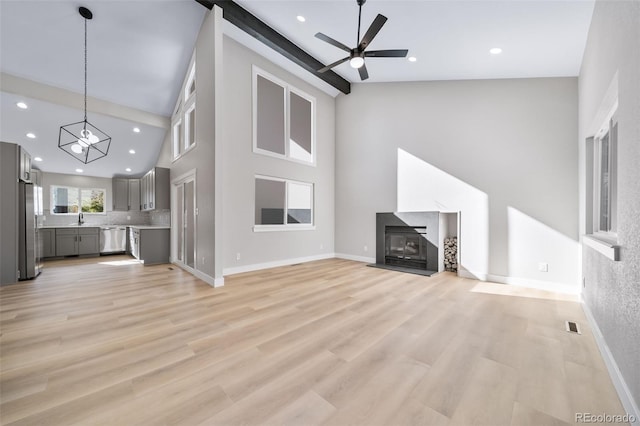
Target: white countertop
{"x":149,"y":226}
{"x":69,"y":226}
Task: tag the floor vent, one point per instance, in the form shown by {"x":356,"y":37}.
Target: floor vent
{"x":572,"y":327}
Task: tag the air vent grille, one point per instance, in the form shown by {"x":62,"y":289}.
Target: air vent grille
{"x":572,"y":327}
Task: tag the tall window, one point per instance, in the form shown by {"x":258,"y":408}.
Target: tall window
{"x":282,"y":203}
{"x":283,"y":119}
{"x":183,"y":122}
{"x":605,"y":167}
{"x":70,"y":200}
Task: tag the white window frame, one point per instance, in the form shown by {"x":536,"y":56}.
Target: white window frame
{"x":186,"y":103}
{"x":288,"y":89}
{"x":79,"y":199}
{"x":286,"y":226}
{"x":608,"y":233}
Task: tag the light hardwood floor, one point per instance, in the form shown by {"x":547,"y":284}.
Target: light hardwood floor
{"x":107,"y":341}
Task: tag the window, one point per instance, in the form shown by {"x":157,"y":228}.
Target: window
{"x":283,"y":119}
{"x":70,"y":200}
{"x":605,"y":177}
{"x":183,"y":122}
{"x":282,"y":204}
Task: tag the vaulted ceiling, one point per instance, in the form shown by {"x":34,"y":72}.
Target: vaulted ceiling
{"x":139,"y":51}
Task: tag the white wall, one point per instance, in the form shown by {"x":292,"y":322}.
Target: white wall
{"x":502,"y":152}
{"x":612,"y":289}
{"x":241,"y":165}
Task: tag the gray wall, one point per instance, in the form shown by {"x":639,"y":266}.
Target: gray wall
{"x":612,"y":289}
{"x":502,"y":152}
{"x":241,"y":165}
{"x":201,"y":158}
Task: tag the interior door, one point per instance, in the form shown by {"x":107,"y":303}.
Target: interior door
{"x":184,"y":221}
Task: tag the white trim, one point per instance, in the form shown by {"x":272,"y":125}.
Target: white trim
{"x":213,"y":282}
{"x":288,"y":227}
{"x":614,"y":372}
{"x":356,"y":258}
{"x":275,"y":264}
{"x":522,"y":282}
{"x":611,"y":251}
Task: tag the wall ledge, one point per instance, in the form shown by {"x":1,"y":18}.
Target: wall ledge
{"x":614,"y":372}
{"x":608,"y":249}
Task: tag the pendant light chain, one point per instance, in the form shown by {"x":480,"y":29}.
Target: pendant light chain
{"x":85,"y":72}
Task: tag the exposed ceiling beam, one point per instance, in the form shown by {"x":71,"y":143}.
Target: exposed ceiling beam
{"x":253,"y":26}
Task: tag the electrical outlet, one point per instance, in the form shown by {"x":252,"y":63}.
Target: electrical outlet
{"x":203,"y":260}
{"x":128,"y":217}
{"x":543,"y":267}
{"x":366,"y":248}
{"x":321,"y":246}
{"x":237,"y":256}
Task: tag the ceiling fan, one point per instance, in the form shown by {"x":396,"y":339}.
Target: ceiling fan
{"x":357,"y":54}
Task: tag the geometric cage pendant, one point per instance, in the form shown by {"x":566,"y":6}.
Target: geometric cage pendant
{"x":84,"y":141}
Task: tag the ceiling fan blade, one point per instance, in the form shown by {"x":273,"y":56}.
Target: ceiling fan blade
{"x":333,"y":42}
{"x":363,"y":72}
{"x":328,"y":67}
{"x":394,"y":53}
{"x":376,"y":25}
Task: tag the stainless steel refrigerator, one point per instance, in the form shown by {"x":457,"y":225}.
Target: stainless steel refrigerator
{"x":29,"y":238}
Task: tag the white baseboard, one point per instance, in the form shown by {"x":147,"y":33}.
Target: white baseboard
{"x":356,"y":258}
{"x":614,"y":372}
{"x":275,"y":264}
{"x":522,"y":282}
{"x":213,"y":282}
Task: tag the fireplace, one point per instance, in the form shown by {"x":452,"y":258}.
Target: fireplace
{"x":406,"y":246}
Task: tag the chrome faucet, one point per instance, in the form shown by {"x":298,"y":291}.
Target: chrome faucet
{"x":80,"y":218}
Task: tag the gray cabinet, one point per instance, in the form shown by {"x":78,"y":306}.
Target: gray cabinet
{"x":120,"y":194}
{"x":48,"y":242}
{"x":77,"y":241}
{"x":25,"y":165}
{"x":154,"y":189}
{"x":150,"y":245}
{"x":134,"y":194}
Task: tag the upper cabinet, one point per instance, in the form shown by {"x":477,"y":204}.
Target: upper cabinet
{"x":154,"y":189}
{"x":126,"y":195}
{"x":24,"y":162}
{"x":134,"y":194}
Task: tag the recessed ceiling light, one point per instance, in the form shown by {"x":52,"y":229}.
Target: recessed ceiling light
{"x":412,"y":59}
{"x":300,"y":18}
{"x":128,"y":169}
{"x":37,"y":158}
{"x":31,"y":135}
{"x":22,"y":105}
{"x":136,"y":130}
{"x":495,"y":51}
{"x":79,"y":170}
{"x":132,"y":151}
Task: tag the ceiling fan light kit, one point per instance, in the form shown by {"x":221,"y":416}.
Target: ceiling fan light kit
{"x":358,"y":53}
{"x":82,"y":140}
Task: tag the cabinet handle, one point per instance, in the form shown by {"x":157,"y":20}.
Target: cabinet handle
{"x":80,"y":237}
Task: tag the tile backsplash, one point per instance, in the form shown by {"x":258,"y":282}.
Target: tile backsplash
{"x":110,"y":218}
{"x":160,"y":217}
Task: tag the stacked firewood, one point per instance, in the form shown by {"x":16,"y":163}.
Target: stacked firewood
{"x":451,"y":254}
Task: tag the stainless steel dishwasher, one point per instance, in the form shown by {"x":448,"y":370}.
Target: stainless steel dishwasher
{"x":113,"y":239}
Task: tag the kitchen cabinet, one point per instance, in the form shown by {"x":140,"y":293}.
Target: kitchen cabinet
{"x":120,"y":194}
{"x":154,"y":189}
{"x":25,"y":165}
{"x":134,"y":194}
{"x":48,"y":242}
{"x":149,"y":245}
{"x":77,"y":241}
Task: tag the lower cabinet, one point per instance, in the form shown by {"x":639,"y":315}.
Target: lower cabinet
{"x":150,"y":245}
{"x":74,"y":241}
{"x":48,"y":242}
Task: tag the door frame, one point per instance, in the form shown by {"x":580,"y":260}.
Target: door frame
{"x":175,"y":183}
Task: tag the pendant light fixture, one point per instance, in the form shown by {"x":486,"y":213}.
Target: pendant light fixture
{"x":82,"y":140}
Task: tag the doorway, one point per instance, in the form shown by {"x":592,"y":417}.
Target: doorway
{"x":183,"y":226}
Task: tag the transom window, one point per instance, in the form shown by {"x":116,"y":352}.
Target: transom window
{"x":183,"y":122}
{"x":71,"y":200}
{"x":282,"y":203}
{"x":283,"y":119}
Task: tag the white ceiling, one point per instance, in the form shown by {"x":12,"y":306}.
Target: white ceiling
{"x":139,"y":51}
{"x":450,"y":39}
